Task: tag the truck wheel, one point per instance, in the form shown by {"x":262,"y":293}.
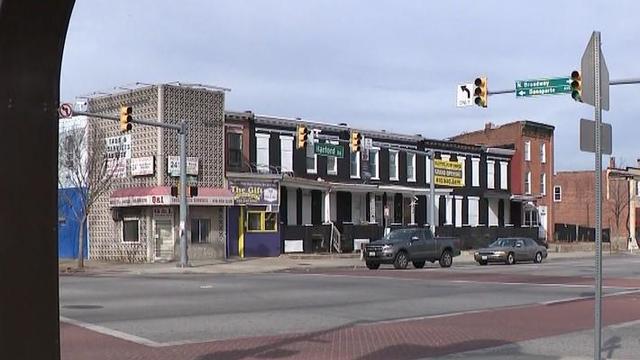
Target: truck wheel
{"x":401,"y":260}
{"x":482,"y":262}
{"x":511,"y":259}
{"x":373,"y":266}
{"x":418,"y":264}
{"x":446,"y":259}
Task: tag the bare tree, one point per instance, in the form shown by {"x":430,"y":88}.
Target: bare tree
{"x":618,"y":200}
{"x":85,"y":164}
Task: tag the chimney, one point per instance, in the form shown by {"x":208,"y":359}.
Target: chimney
{"x":612,"y":162}
{"x":488,"y":126}
{"x":638,"y":163}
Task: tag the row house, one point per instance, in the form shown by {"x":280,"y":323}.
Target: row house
{"x":531,"y":170}
{"x":293,"y":200}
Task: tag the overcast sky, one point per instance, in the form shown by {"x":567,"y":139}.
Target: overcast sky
{"x":390,"y":65}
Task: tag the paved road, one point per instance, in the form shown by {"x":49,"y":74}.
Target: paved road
{"x":341,"y":313}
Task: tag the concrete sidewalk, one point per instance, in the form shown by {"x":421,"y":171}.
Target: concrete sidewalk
{"x":256,"y":265}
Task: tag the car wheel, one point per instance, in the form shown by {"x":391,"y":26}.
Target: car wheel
{"x":418,"y":264}
{"x":446,"y":259}
{"x":538,"y":258}
{"x":482,"y":262}
{"x":511,"y":259}
{"x":401,"y":260}
{"x":373,"y":266}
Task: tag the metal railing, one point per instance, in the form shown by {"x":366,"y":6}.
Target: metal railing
{"x":335,"y":238}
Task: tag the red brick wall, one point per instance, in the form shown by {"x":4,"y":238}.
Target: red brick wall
{"x":517,"y":133}
{"x":577,"y":205}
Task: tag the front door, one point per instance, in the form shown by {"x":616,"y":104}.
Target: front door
{"x":164,"y":240}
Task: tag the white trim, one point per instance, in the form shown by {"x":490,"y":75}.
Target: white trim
{"x":543,"y":153}
{"x":543,"y":184}
{"x":413,"y":164}
{"x":377,"y":162}
{"x":427,"y":166}
{"x":527,"y":150}
{"x":554,"y":193}
{"x":527,"y":180}
{"x":504,"y":177}
{"x":475,"y":172}
{"x":396,"y":174}
{"x":335,"y":170}
{"x":129,"y":218}
{"x":491,"y":177}
{"x":313,"y":170}
{"x":261,"y":167}
{"x":357,"y":175}
{"x":286,"y":139}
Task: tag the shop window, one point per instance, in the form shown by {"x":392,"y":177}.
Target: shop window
{"x":200,"y":230}
{"x":262,"y":221}
{"x":131,"y":230}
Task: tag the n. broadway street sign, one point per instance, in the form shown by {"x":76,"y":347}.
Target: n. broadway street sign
{"x":552,"y":86}
{"x":327,"y":149}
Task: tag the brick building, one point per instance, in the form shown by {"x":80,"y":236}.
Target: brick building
{"x":574,"y":205}
{"x":531,"y":170}
{"x":137,"y":220}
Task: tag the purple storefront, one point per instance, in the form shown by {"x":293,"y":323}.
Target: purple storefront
{"x":253,"y":222}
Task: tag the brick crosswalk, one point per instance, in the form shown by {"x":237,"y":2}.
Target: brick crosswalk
{"x":410,"y":339}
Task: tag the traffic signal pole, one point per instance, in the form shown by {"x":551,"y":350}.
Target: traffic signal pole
{"x":182,"y":132}
{"x":184,"y":256}
{"x":627,"y":81}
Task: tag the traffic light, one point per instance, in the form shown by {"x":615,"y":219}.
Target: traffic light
{"x":576,"y":85}
{"x":303,"y":136}
{"x":480,"y":92}
{"x":356,"y":141}
{"x":125,"y":118}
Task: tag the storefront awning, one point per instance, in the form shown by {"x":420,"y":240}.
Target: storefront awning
{"x":161,"y":195}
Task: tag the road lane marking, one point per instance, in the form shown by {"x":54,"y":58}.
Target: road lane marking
{"x":580,"y":298}
{"x":541,"y":284}
{"x":111,"y":332}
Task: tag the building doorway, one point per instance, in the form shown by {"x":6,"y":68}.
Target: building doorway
{"x":164,"y":240}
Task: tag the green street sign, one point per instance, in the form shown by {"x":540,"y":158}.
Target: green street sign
{"x":327,"y":149}
{"x":552,"y":86}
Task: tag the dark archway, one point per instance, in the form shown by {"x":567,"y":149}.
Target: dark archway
{"x":32,"y":36}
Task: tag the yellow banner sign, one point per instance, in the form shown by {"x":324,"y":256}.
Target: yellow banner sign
{"x":448,"y":173}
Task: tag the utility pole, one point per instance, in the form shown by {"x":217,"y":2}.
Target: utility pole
{"x":432,"y":193}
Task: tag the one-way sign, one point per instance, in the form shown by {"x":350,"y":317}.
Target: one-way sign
{"x":463,"y":95}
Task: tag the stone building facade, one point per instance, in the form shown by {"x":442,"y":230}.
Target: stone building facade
{"x":137,"y":220}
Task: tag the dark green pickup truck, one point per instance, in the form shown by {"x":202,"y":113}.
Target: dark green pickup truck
{"x":414,"y":244}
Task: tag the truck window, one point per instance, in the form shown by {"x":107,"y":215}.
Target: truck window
{"x":427,"y":234}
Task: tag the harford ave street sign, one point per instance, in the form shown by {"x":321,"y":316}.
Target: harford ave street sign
{"x":327,"y":149}
{"x":552,"y":86}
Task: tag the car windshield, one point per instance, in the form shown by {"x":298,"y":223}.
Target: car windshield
{"x":502,"y":243}
{"x":400,"y":234}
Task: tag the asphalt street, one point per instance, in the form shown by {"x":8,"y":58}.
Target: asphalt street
{"x":176,"y":309}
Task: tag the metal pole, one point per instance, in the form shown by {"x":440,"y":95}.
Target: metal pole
{"x":184,"y":259}
{"x":432,"y":194}
{"x":628,"y":81}
{"x":598,"y":166}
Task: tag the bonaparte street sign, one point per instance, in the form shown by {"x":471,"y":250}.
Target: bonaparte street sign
{"x":327,"y":149}
{"x":552,"y":86}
